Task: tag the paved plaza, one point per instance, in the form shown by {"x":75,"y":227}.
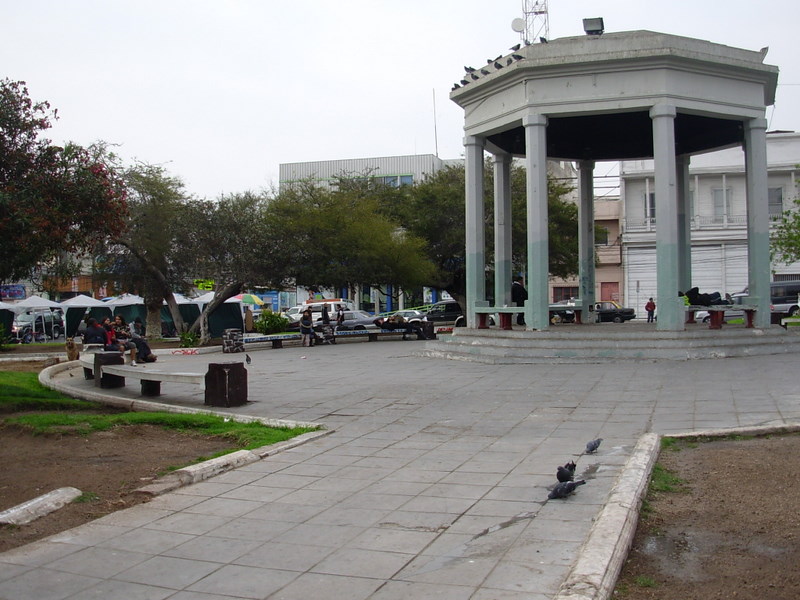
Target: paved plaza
{"x":432,"y":484}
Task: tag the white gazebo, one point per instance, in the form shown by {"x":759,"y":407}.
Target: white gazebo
{"x":615,"y":96}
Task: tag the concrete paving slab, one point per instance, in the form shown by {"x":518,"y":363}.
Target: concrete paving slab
{"x":471,"y":448}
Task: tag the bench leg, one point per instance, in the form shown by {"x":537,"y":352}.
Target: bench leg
{"x":717,"y":317}
{"x":749,"y":315}
{"x":277,"y":343}
{"x":482,"y":321}
{"x":151,"y":388}
{"x":373,"y":337}
{"x":88,"y":373}
{"x":578,"y":317}
{"x":505,"y":321}
{"x":690,"y":317}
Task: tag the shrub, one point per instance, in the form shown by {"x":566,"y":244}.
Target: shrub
{"x":270,"y":322}
{"x":189,"y":340}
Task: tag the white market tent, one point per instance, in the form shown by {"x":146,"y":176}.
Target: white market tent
{"x":34,"y":302}
{"x":77,"y":306}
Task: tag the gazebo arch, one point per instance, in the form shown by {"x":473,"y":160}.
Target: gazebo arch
{"x":617,"y":96}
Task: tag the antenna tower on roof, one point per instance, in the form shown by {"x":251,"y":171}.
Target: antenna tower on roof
{"x":535,"y":22}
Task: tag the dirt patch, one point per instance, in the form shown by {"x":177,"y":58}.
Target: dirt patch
{"x":107,"y":466}
{"x":733,"y":533}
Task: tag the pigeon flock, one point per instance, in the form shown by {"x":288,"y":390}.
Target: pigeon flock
{"x":473,"y":74}
{"x":566,"y":475}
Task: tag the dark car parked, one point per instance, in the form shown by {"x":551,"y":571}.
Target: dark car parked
{"x":448,"y":313}
{"x":37,"y":326}
{"x":608,"y":311}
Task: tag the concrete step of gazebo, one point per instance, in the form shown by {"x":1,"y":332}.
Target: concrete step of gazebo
{"x":610,"y":342}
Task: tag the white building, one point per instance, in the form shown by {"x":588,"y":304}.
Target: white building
{"x":718,"y":218}
{"x":393,"y":170}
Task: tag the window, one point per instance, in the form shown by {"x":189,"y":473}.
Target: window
{"x":650,"y":206}
{"x":722,"y":203}
{"x":600,"y":236}
{"x":775,"y":196}
{"x":564,"y":293}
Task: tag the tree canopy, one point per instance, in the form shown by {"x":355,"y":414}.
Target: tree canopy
{"x":786,"y":237}
{"x":51,"y":197}
{"x":434,"y":211}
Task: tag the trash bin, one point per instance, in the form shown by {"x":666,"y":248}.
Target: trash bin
{"x":226,"y":384}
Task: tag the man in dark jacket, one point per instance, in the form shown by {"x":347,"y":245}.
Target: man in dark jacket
{"x":518,"y":296}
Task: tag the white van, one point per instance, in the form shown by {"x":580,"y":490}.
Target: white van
{"x":294,"y":313}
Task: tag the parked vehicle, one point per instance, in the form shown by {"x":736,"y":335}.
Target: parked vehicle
{"x":410,"y":315}
{"x":294,"y":313}
{"x":38,"y":326}
{"x":562,"y":312}
{"x":448,"y":313}
{"x":609,"y":311}
{"x":354,"y":319}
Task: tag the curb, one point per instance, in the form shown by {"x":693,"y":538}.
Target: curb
{"x":39,"y":506}
{"x":600,"y":559}
{"x":216,"y":466}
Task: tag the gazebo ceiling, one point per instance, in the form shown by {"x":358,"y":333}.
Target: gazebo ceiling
{"x":622,"y":136}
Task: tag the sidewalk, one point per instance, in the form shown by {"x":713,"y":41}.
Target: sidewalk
{"x":433,"y":484}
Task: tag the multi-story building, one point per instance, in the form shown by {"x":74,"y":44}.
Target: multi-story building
{"x":718,"y":218}
{"x":392,"y":170}
{"x":608,"y":257}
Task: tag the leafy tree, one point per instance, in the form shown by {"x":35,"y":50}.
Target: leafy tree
{"x":434,"y":210}
{"x":234,"y":243}
{"x":342,"y":237}
{"x":786,"y":237}
{"x":151,"y":256}
{"x":50,"y":197}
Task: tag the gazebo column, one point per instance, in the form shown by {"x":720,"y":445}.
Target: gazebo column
{"x":537,"y":309}
{"x":758,"y":263}
{"x":670,"y":307}
{"x":684,"y":224}
{"x":502,"y":230}
{"x":476,"y":235}
{"x":586,"y":270}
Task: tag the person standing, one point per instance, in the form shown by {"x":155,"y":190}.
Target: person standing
{"x":307,"y":328}
{"x":518,"y":296}
{"x":650,"y":307}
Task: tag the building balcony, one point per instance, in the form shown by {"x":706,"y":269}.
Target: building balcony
{"x":699,"y":223}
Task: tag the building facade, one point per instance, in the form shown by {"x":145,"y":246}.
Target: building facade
{"x":391,"y":170}
{"x":717,"y":206}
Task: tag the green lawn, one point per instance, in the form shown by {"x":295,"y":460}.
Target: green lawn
{"x":53,"y":412}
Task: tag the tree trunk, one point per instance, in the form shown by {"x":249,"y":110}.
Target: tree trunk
{"x":222,"y":294}
{"x":153,"y":325}
{"x":177,"y":317}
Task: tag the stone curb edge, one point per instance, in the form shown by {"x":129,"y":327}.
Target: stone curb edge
{"x":216,"y":466}
{"x":594,"y":574}
{"x":39,"y":506}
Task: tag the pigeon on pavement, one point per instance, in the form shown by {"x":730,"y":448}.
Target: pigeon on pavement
{"x":593,"y":445}
{"x":247,"y":359}
{"x":566,"y":473}
{"x":564,"y":489}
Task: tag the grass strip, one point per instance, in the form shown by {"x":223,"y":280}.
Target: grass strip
{"x":55,"y":413}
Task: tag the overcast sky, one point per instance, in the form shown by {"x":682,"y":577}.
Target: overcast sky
{"x":221,"y":92}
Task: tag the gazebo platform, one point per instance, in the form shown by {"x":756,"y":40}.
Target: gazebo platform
{"x":610,"y":342}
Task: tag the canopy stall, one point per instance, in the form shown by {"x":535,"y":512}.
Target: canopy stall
{"x":81,"y":306}
{"x":6,"y":317}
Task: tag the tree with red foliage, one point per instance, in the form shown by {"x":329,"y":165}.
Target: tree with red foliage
{"x":53,"y":200}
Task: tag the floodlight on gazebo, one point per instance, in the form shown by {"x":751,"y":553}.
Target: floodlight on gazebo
{"x":593,"y":26}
